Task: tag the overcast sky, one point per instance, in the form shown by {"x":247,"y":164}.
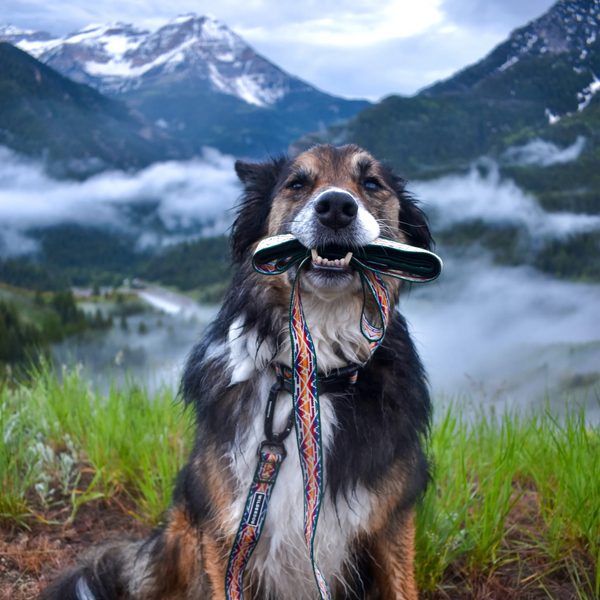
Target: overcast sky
{"x":352,"y":48}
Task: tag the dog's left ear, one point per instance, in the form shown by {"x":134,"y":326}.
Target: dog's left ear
{"x":259,"y":180}
{"x":413,"y":221}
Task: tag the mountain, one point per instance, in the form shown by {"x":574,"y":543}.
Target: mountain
{"x":537,"y":90}
{"x":569,"y":28}
{"x":545,"y":70}
{"x":77,"y":129}
{"x":195,"y":78}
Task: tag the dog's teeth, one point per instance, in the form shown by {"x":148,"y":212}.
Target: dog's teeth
{"x":348,"y":258}
{"x":314,"y":253}
{"x":319,"y":260}
{"x":336,"y":262}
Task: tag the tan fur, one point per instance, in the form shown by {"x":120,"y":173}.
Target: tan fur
{"x":215,"y":557}
{"x":394,"y":554}
{"x":181,"y":555}
{"x":390,"y":493}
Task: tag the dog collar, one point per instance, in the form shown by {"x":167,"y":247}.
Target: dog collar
{"x":339,"y":381}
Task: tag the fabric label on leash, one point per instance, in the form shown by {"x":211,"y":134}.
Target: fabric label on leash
{"x":252,"y":522}
{"x":256,"y":507}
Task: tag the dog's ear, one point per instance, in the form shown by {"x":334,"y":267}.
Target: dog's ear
{"x":259,"y":181}
{"x":413,"y":221}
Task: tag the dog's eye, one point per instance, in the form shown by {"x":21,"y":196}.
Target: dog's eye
{"x":296,"y":184}
{"x":372,"y":184}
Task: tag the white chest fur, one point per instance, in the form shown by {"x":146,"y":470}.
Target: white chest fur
{"x":280,"y":561}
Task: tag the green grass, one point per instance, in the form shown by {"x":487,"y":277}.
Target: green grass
{"x":67,"y":437}
{"x":512,"y":491}
{"x":543,"y":470}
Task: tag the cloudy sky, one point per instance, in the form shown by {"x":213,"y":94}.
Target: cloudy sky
{"x":353,"y":48}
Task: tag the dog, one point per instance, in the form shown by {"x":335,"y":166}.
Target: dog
{"x":374,"y":434}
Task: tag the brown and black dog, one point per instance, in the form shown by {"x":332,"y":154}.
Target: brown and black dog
{"x":375,"y":466}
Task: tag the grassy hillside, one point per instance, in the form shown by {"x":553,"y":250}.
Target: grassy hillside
{"x":74,"y":127}
{"x":73,"y":255}
{"x":31,"y":321}
{"x":514,"y":510}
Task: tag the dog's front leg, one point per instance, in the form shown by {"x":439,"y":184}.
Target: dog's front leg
{"x":394,"y":552}
{"x":215,"y":557}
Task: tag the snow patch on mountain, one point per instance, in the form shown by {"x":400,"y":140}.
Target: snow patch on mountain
{"x":586,"y":95}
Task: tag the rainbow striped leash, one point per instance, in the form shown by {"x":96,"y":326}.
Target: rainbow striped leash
{"x":274,"y":256}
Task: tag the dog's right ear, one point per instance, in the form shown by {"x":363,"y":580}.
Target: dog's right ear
{"x":259,"y":181}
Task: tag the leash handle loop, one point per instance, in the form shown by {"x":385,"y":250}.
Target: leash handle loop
{"x":253,"y":520}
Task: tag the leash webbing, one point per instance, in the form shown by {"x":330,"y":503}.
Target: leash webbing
{"x":307,"y":419}
{"x":275,"y":256}
{"x":253,"y":519}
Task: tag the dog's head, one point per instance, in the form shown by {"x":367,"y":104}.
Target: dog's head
{"x":326,"y":197}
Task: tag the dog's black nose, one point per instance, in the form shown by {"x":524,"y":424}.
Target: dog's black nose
{"x":336,"y":209}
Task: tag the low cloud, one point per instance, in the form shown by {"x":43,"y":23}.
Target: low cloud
{"x":482,"y":194}
{"x":505,"y":333}
{"x":186,"y":197}
{"x":541,"y":153}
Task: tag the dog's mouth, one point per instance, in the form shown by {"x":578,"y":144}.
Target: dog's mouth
{"x":330,"y":267}
{"x":331,"y":259}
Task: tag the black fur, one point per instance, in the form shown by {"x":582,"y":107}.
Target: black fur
{"x":413,"y":221}
{"x":259,"y":180}
{"x":103,"y":577}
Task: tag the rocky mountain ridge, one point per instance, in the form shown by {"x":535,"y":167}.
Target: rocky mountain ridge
{"x":117,"y":58}
{"x":544,"y":71}
{"x":568,"y":27}
{"x":194,"y":78}
{"x":535,"y":92}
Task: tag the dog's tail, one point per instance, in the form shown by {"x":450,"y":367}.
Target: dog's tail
{"x":113,"y":572}
{"x":169,"y":563}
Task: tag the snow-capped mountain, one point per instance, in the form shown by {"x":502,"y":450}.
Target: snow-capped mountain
{"x":194,"y":78}
{"x":117,"y":58}
{"x":76,"y":130}
{"x":568,"y":27}
{"x":546,"y":74}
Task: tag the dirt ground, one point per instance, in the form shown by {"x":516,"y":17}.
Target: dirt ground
{"x":31,"y":558}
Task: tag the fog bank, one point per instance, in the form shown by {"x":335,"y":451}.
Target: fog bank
{"x":484,"y":195}
{"x":182,"y":196}
{"x":506,"y":334}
